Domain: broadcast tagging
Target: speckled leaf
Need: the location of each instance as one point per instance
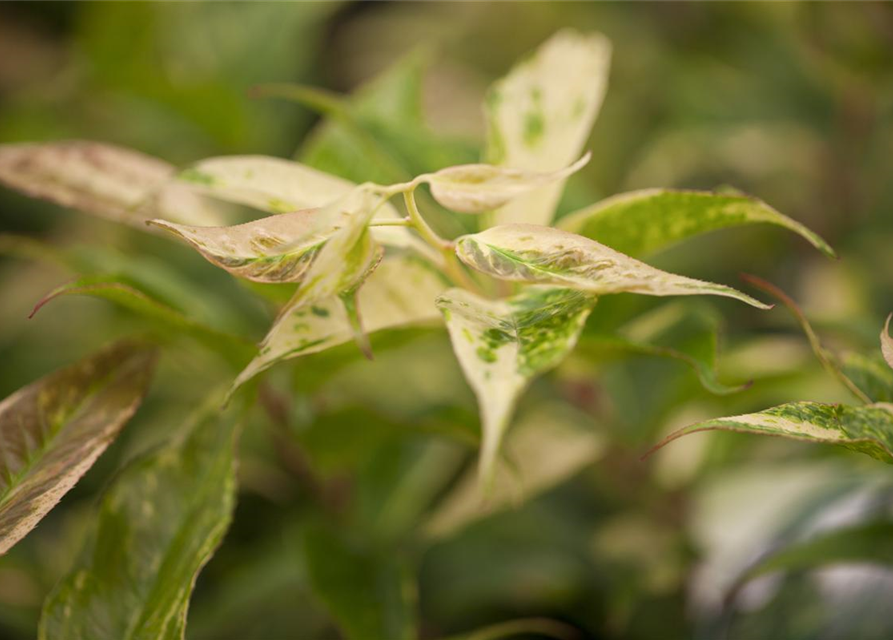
(103, 180)
(278, 248)
(643, 222)
(502, 344)
(887, 342)
(52, 431)
(158, 524)
(540, 115)
(478, 188)
(535, 254)
(399, 292)
(867, 429)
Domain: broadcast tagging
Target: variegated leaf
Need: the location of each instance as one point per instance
(478, 188)
(502, 344)
(401, 291)
(887, 342)
(540, 115)
(52, 431)
(103, 180)
(535, 254)
(278, 248)
(264, 183)
(643, 222)
(158, 525)
(867, 429)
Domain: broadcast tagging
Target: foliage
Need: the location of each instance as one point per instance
(419, 388)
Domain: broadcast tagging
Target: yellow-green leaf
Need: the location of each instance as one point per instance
(478, 188)
(540, 115)
(53, 430)
(101, 179)
(867, 429)
(158, 525)
(401, 291)
(502, 344)
(642, 222)
(534, 254)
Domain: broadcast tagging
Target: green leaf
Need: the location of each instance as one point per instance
(131, 297)
(100, 179)
(534, 254)
(866, 429)
(502, 344)
(643, 222)
(540, 115)
(477, 188)
(370, 595)
(523, 627)
(158, 525)
(870, 374)
(887, 342)
(53, 430)
(401, 291)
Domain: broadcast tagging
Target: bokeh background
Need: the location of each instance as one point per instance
(790, 102)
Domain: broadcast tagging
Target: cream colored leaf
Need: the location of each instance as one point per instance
(502, 344)
(540, 115)
(478, 188)
(52, 431)
(535, 254)
(400, 292)
(887, 342)
(101, 179)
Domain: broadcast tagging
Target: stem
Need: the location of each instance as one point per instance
(399, 222)
(427, 233)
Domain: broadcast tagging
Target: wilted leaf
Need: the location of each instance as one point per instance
(540, 115)
(502, 344)
(101, 179)
(887, 342)
(53, 430)
(643, 222)
(535, 254)
(130, 297)
(866, 429)
(478, 188)
(371, 596)
(158, 525)
(399, 292)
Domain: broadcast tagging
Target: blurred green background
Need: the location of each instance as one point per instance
(790, 102)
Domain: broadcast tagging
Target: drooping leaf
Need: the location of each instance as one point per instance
(478, 188)
(158, 525)
(370, 595)
(867, 429)
(502, 344)
(887, 342)
(131, 297)
(103, 180)
(53, 430)
(535, 254)
(401, 291)
(642, 222)
(540, 115)
(278, 248)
